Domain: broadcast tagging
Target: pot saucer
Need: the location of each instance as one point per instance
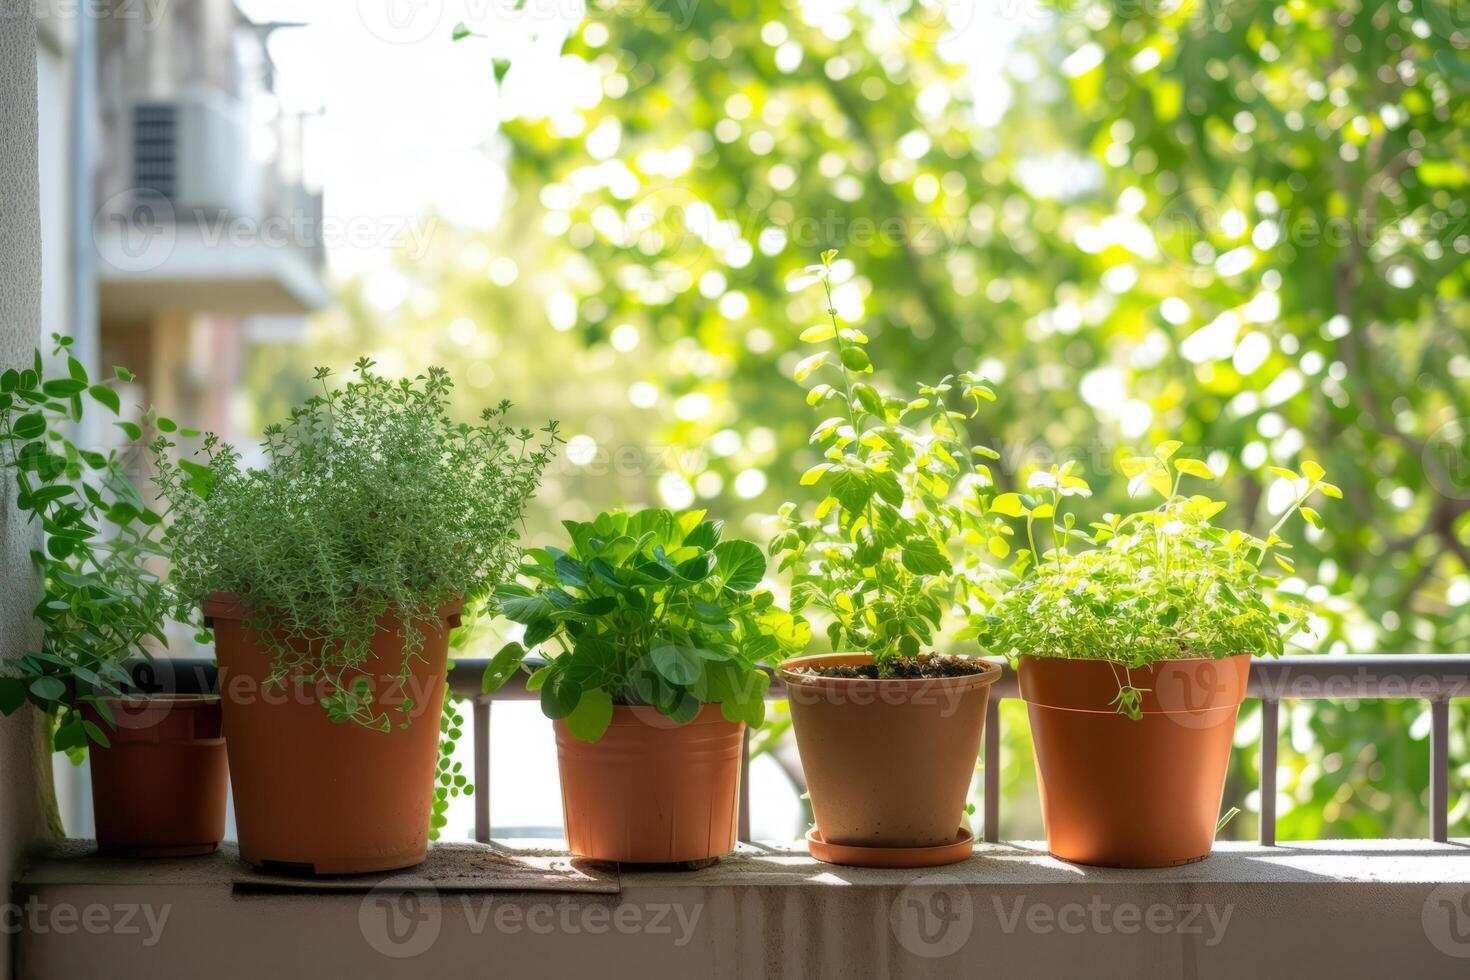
(858, 856)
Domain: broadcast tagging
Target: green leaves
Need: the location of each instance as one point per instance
(740, 564)
(1151, 585)
(1008, 504)
(646, 608)
(590, 718)
(900, 532)
(817, 334)
(676, 664)
(807, 365)
(101, 601)
(559, 695)
(502, 667)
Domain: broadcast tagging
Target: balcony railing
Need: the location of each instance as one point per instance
(1435, 678)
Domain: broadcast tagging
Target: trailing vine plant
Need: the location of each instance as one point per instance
(1157, 584)
(102, 599)
(898, 539)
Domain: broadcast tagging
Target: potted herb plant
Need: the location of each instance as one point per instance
(888, 730)
(1134, 652)
(655, 630)
(331, 577)
(157, 762)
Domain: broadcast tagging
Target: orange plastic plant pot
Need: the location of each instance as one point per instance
(888, 762)
(323, 797)
(650, 791)
(1124, 793)
(158, 787)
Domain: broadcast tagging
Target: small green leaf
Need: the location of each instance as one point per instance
(817, 334)
(29, 426)
(1193, 467)
(12, 694)
(48, 688)
(676, 664)
(807, 365)
(1312, 471)
(560, 695)
(856, 359)
(590, 718)
(1008, 504)
(502, 667)
(106, 396)
(740, 564)
(64, 387)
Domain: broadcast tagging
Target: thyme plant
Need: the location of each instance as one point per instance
(651, 608)
(1157, 584)
(101, 600)
(898, 537)
(372, 501)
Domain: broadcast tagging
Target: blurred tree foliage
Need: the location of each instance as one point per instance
(1241, 223)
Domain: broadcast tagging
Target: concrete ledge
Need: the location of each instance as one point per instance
(1340, 909)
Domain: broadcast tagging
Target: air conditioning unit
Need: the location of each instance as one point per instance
(194, 152)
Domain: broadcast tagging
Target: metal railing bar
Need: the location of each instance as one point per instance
(1439, 769)
(742, 830)
(1270, 739)
(992, 770)
(482, 769)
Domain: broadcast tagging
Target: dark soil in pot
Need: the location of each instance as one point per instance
(902, 669)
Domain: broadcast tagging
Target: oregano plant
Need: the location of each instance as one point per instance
(1160, 583)
(897, 539)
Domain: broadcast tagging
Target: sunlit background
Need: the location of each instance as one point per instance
(1241, 224)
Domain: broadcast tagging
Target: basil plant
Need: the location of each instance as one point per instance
(650, 608)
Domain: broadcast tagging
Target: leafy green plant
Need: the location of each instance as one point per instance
(651, 608)
(899, 536)
(372, 502)
(1157, 584)
(100, 602)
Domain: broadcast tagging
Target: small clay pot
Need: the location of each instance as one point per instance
(321, 797)
(650, 791)
(888, 762)
(1124, 793)
(158, 787)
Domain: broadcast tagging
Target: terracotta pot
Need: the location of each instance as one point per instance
(650, 791)
(321, 797)
(158, 789)
(1125, 793)
(888, 762)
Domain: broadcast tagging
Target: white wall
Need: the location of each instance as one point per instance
(27, 780)
(53, 78)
